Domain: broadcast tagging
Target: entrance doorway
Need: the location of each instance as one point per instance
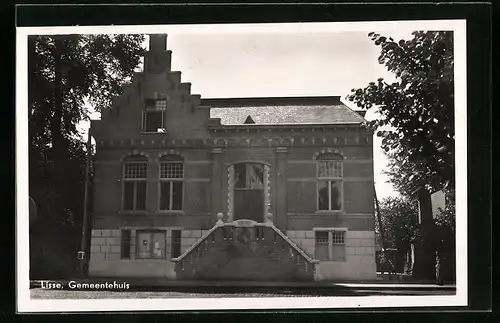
(249, 192)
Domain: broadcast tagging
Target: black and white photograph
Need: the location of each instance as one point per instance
(242, 166)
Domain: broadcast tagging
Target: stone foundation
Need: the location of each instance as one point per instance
(105, 255)
(359, 261)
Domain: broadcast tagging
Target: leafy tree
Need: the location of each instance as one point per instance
(419, 106)
(66, 74)
(399, 217)
(417, 121)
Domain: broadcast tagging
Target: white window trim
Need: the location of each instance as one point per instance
(151, 232)
(328, 179)
(171, 180)
(135, 180)
(330, 241)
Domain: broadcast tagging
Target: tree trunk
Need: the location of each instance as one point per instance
(382, 235)
(424, 248)
(59, 153)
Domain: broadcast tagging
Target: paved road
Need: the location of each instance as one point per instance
(38, 293)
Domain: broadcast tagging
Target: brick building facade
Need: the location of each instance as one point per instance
(236, 188)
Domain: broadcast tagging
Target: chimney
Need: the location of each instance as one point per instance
(158, 58)
(157, 42)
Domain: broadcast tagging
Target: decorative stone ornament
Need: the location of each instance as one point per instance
(220, 217)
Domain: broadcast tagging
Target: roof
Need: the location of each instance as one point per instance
(282, 110)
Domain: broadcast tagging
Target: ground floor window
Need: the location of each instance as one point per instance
(175, 243)
(151, 244)
(330, 245)
(125, 244)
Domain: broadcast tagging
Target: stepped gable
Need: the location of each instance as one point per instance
(154, 81)
(282, 111)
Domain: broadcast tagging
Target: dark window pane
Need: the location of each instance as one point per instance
(323, 195)
(240, 175)
(322, 237)
(177, 196)
(255, 176)
(150, 103)
(176, 243)
(141, 196)
(153, 121)
(335, 195)
(125, 245)
(128, 196)
(165, 196)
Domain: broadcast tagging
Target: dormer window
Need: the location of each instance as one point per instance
(153, 115)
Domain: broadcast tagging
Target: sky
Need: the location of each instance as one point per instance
(225, 64)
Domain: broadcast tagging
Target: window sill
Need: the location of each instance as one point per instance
(330, 212)
(132, 212)
(153, 133)
(169, 212)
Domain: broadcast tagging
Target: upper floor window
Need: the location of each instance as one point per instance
(171, 183)
(330, 188)
(135, 172)
(153, 115)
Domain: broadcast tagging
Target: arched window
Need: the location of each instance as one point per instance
(171, 183)
(330, 186)
(135, 173)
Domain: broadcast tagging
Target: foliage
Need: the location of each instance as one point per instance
(417, 123)
(399, 220)
(77, 68)
(66, 73)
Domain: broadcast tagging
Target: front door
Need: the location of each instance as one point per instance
(249, 192)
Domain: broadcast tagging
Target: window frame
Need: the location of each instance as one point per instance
(176, 160)
(134, 181)
(322, 159)
(172, 243)
(331, 243)
(153, 108)
(151, 232)
(124, 254)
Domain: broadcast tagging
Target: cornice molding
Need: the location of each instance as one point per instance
(247, 141)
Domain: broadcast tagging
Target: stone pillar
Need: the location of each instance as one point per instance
(152, 190)
(216, 182)
(280, 208)
(267, 192)
(230, 193)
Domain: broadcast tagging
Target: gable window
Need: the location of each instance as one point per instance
(330, 245)
(135, 172)
(153, 115)
(151, 244)
(330, 188)
(171, 183)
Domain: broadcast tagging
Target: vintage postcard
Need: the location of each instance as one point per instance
(245, 166)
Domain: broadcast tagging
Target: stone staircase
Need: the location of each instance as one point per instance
(245, 250)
